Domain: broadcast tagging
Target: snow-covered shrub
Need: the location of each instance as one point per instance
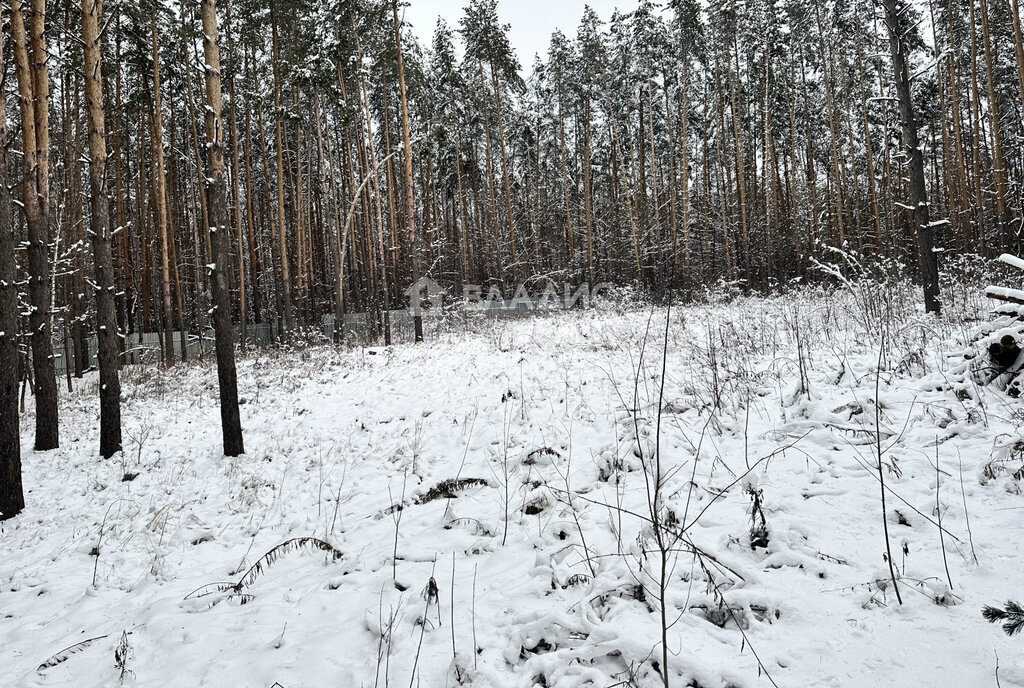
(880, 287)
(962, 278)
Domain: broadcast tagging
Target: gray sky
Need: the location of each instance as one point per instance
(532, 21)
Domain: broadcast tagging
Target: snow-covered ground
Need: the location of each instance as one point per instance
(541, 568)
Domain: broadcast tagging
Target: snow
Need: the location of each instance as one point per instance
(1005, 293)
(546, 413)
(1012, 260)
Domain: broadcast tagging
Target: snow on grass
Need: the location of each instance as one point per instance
(505, 465)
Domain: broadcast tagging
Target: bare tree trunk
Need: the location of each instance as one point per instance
(286, 281)
(243, 314)
(12, 496)
(220, 237)
(588, 191)
(410, 204)
(915, 164)
(1018, 43)
(998, 159)
(570, 250)
(106, 308)
(504, 172)
(160, 201)
(33, 91)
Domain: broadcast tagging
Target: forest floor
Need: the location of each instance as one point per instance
(540, 566)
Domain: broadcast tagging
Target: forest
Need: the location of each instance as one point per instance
(670, 148)
(780, 182)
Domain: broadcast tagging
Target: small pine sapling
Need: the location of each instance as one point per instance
(1012, 617)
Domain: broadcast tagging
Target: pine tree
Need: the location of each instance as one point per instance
(220, 235)
(106, 313)
(30, 61)
(899, 32)
(12, 497)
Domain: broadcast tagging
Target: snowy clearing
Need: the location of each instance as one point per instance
(544, 569)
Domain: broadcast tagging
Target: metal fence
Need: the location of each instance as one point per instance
(359, 327)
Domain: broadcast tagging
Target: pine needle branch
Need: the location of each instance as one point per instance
(1012, 616)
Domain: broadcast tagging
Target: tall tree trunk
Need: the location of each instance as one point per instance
(33, 92)
(243, 315)
(504, 171)
(915, 160)
(12, 496)
(869, 156)
(1018, 44)
(254, 262)
(286, 281)
(160, 201)
(588, 191)
(569, 248)
(977, 135)
(998, 159)
(220, 238)
(410, 204)
(740, 163)
(106, 308)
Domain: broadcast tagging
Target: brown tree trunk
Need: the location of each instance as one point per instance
(106, 308)
(925, 244)
(220, 239)
(1018, 44)
(160, 201)
(588, 192)
(998, 159)
(504, 171)
(570, 250)
(33, 91)
(12, 496)
(410, 206)
(286, 281)
(243, 315)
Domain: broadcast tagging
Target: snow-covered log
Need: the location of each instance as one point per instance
(1005, 294)
(1012, 260)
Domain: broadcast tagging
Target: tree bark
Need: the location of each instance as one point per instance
(410, 204)
(286, 282)
(12, 496)
(160, 202)
(106, 308)
(220, 238)
(915, 161)
(33, 92)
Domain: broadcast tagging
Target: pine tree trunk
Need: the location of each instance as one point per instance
(286, 282)
(33, 91)
(12, 497)
(977, 135)
(160, 202)
(203, 216)
(504, 172)
(869, 157)
(106, 308)
(1018, 44)
(220, 239)
(588, 191)
(410, 206)
(569, 248)
(998, 159)
(254, 262)
(243, 315)
(915, 164)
